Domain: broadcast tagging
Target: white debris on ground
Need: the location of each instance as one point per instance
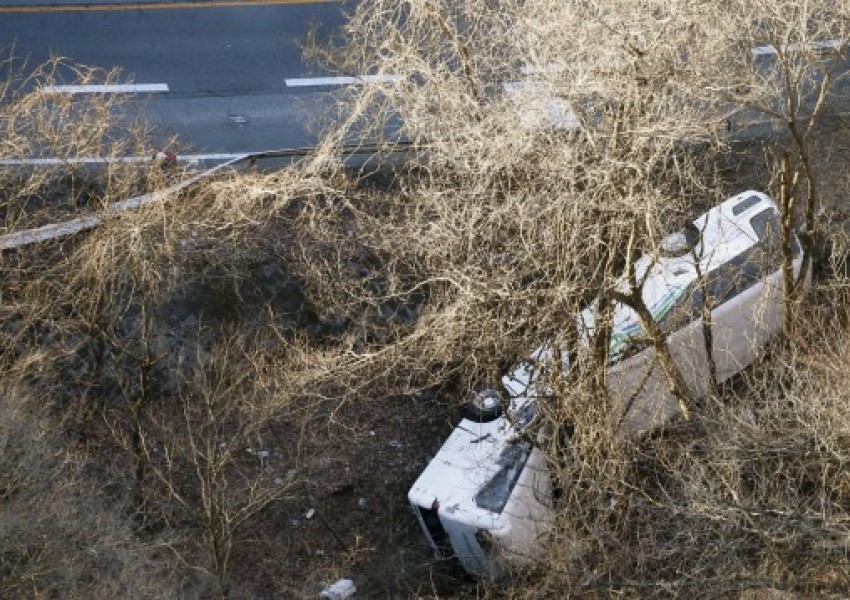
(342, 589)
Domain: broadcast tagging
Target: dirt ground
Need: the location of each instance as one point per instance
(348, 516)
(349, 467)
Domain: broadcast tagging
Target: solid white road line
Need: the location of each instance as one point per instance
(329, 81)
(127, 88)
(96, 160)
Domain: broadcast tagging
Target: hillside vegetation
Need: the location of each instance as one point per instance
(184, 385)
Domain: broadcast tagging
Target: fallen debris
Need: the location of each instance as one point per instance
(342, 589)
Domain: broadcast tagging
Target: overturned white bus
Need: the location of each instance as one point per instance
(486, 495)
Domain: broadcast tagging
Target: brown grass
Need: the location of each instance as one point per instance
(299, 312)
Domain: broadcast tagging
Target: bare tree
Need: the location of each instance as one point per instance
(799, 51)
(554, 143)
(521, 203)
(510, 220)
(209, 458)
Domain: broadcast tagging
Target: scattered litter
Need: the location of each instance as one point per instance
(395, 444)
(341, 590)
(320, 552)
(309, 514)
(361, 503)
(372, 433)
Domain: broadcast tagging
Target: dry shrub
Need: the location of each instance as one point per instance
(168, 344)
(62, 534)
(165, 345)
(40, 125)
(509, 222)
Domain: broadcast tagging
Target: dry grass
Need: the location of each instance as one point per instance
(298, 312)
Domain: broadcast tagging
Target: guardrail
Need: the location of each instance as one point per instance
(44, 233)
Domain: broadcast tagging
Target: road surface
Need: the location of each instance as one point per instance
(226, 75)
(223, 63)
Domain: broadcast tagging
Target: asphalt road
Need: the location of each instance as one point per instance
(225, 66)
(224, 62)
